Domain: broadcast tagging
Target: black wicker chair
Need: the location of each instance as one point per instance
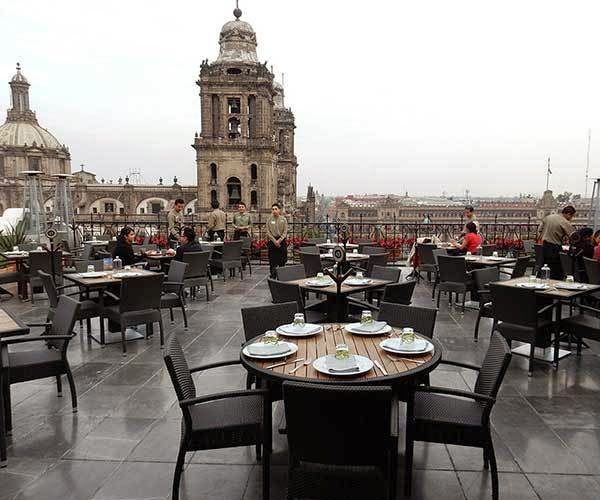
(216, 421)
(290, 292)
(531, 322)
(197, 272)
(291, 273)
(421, 319)
(487, 250)
(387, 273)
(376, 260)
(399, 293)
(246, 252)
(138, 303)
(335, 457)
(568, 264)
(48, 360)
(172, 291)
(583, 326)
(88, 308)
(427, 261)
(257, 320)
(483, 278)
(436, 254)
(311, 262)
(231, 259)
(520, 268)
(450, 416)
(454, 278)
(373, 250)
(539, 258)
(42, 261)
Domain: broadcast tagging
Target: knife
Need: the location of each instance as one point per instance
(380, 366)
(344, 370)
(284, 363)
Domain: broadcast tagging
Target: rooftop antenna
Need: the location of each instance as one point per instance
(587, 166)
(283, 79)
(548, 173)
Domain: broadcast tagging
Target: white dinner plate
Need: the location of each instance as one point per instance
(307, 332)
(364, 365)
(126, 274)
(570, 286)
(533, 286)
(357, 282)
(319, 283)
(351, 327)
(494, 258)
(428, 348)
(293, 349)
(93, 274)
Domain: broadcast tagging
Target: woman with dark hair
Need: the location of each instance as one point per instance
(124, 248)
(470, 243)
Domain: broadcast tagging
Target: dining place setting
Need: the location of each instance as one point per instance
(365, 349)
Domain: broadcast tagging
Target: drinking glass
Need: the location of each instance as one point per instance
(320, 276)
(90, 268)
(366, 317)
(15, 249)
(570, 279)
(468, 254)
(355, 250)
(494, 254)
(342, 351)
(408, 335)
(299, 320)
(271, 337)
(328, 241)
(359, 275)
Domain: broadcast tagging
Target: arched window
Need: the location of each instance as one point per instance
(213, 172)
(234, 191)
(234, 127)
(213, 196)
(253, 199)
(253, 172)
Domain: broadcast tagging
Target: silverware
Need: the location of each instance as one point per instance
(380, 366)
(306, 363)
(416, 361)
(284, 363)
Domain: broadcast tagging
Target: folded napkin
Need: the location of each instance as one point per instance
(397, 345)
(262, 349)
(332, 363)
(370, 327)
(296, 329)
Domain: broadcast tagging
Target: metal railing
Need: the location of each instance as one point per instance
(397, 237)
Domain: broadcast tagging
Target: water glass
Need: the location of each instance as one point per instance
(533, 278)
(408, 335)
(355, 250)
(342, 351)
(359, 275)
(299, 320)
(127, 268)
(570, 279)
(90, 268)
(15, 249)
(494, 254)
(271, 337)
(366, 318)
(468, 254)
(328, 241)
(320, 276)
(39, 249)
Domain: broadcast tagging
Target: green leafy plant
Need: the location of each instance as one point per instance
(13, 237)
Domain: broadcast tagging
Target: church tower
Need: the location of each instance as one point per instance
(238, 150)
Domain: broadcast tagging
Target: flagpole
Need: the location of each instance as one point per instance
(548, 172)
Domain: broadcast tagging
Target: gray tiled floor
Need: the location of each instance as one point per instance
(122, 444)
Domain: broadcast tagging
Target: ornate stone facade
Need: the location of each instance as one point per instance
(245, 150)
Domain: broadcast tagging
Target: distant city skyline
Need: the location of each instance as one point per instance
(424, 98)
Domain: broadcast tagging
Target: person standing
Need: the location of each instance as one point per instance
(277, 245)
(469, 214)
(554, 229)
(242, 222)
(175, 222)
(217, 220)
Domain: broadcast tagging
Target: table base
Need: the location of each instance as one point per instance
(115, 337)
(540, 353)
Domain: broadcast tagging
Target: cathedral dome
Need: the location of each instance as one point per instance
(237, 41)
(24, 133)
(19, 77)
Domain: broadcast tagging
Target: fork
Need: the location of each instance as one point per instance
(416, 361)
(306, 363)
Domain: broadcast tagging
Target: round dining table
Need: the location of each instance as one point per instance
(401, 372)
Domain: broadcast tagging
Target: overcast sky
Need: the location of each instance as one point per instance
(426, 96)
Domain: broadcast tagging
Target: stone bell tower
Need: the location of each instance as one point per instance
(237, 150)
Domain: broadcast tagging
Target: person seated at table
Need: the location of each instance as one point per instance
(470, 243)
(583, 245)
(187, 243)
(124, 247)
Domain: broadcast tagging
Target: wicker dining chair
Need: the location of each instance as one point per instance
(48, 360)
(454, 278)
(376, 260)
(138, 303)
(290, 292)
(230, 260)
(482, 279)
(399, 293)
(311, 262)
(42, 261)
(427, 263)
(568, 264)
(531, 322)
(387, 273)
(291, 273)
(520, 268)
(333, 457)
(373, 250)
(197, 272)
(221, 420)
(436, 281)
(257, 320)
(451, 416)
(421, 319)
(172, 291)
(88, 308)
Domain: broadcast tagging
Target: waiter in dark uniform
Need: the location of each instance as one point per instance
(276, 234)
(555, 229)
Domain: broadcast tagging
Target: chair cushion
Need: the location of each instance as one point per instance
(32, 358)
(447, 409)
(32, 365)
(170, 299)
